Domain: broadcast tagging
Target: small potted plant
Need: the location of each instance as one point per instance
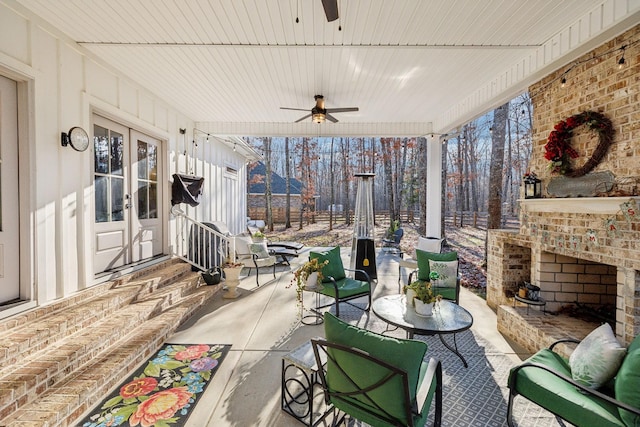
(258, 236)
(424, 297)
(231, 270)
(307, 276)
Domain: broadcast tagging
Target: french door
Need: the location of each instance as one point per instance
(128, 199)
(9, 194)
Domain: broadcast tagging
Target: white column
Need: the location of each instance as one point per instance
(434, 186)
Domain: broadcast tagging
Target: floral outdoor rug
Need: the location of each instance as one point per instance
(163, 391)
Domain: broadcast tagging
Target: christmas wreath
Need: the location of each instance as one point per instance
(558, 148)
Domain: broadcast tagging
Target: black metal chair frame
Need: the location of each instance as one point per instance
(411, 408)
(337, 300)
(395, 242)
(255, 265)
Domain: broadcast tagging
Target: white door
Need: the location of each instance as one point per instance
(110, 181)
(9, 202)
(146, 201)
(127, 202)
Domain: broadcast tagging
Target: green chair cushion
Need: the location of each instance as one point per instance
(423, 258)
(335, 268)
(560, 397)
(404, 354)
(447, 293)
(627, 381)
(347, 287)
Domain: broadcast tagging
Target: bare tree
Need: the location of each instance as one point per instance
(287, 162)
(496, 168)
(332, 197)
(267, 183)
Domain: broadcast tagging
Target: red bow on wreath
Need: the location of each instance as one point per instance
(558, 148)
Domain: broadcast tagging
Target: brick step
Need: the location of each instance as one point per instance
(65, 402)
(25, 318)
(42, 370)
(35, 330)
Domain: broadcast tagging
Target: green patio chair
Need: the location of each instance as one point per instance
(337, 285)
(382, 381)
(449, 289)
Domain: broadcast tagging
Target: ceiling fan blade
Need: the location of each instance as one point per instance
(302, 118)
(330, 9)
(295, 109)
(342, 110)
(331, 118)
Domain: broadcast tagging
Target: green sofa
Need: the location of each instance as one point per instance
(545, 379)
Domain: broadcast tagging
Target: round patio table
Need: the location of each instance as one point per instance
(448, 319)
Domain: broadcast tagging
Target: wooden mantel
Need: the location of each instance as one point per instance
(594, 205)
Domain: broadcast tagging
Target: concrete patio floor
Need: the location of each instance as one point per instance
(262, 326)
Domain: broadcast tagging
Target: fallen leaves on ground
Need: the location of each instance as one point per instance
(468, 241)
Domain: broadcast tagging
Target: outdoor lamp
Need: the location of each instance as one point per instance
(77, 138)
(532, 186)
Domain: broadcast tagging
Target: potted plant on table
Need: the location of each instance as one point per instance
(423, 297)
(307, 276)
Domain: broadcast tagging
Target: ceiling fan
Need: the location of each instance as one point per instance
(319, 114)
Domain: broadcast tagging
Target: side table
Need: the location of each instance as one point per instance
(314, 317)
(529, 302)
(299, 383)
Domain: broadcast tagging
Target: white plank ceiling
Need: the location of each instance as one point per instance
(411, 66)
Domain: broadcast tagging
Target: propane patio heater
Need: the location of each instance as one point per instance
(363, 255)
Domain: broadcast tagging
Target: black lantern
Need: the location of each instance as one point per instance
(532, 186)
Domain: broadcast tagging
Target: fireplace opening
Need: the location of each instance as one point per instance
(579, 287)
(605, 313)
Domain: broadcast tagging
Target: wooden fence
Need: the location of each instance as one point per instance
(458, 218)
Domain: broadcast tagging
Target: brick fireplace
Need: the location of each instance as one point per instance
(553, 249)
(583, 252)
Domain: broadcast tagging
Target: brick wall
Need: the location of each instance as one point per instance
(597, 85)
(574, 255)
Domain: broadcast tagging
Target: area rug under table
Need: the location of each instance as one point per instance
(162, 392)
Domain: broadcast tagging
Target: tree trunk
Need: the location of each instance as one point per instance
(388, 176)
(496, 168)
(267, 183)
(332, 197)
(287, 162)
(421, 179)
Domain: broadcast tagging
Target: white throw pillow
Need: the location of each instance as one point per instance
(447, 272)
(597, 358)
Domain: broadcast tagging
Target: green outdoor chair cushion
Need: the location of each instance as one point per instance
(627, 381)
(447, 293)
(335, 268)
(565, 399)
(423, 258)
(347, 287)
(404, 354)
